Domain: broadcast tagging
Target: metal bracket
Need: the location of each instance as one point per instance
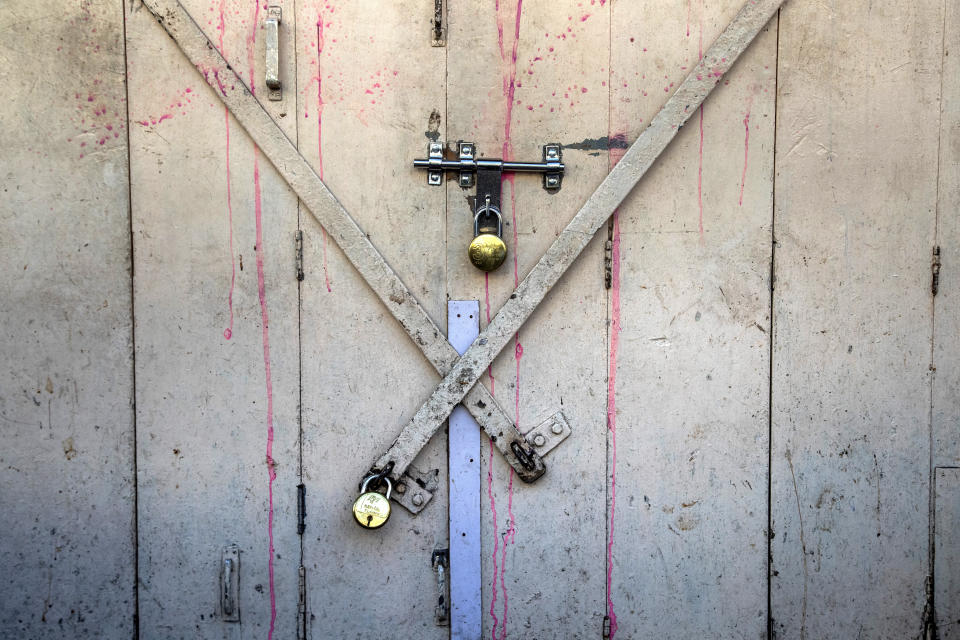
(230, 584)
(441, 564)
(415, 488)
(272, 27)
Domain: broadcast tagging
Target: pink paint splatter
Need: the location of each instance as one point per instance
(326, 272)
(746, 146)
(496, 541)
(615, 155)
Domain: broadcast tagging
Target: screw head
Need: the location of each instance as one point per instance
(401, 489)
(556, 429)
(417, 499)
(552, 182)
(539, 440)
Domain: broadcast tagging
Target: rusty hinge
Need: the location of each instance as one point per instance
(302, 604)
(935, 270)
(608, 257)
(437, 36)
(299, 249)
(606, 627)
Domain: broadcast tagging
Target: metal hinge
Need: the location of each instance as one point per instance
(935, 270)
(606, 627)
(438, 37)
(299, 249)
(301, 508)
(302, 604)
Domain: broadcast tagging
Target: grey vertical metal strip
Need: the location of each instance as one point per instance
(463, 322)
(567, 247)
(328, 211)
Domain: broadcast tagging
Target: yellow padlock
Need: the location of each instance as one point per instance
(372, 509)
(487, 251)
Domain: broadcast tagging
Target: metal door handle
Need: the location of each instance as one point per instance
(272, 27)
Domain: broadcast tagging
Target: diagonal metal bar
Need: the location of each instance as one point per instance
(324, 206)
(567, 247)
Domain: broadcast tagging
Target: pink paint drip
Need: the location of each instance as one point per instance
(228, 332)
(271, 470)
(496, 541)
(615, 156)
(746, 146)
(326, 272)
(509, 92)
(261, 292)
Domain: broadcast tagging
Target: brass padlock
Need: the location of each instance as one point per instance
(372, 509)
(487, 250)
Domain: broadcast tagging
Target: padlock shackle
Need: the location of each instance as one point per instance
(363, 487)
(491, 211)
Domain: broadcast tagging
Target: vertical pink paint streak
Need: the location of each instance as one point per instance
(228, 332)
(326, 273)
(261, 292)
(496, 541)
(509, 92)
(746, 146)
(615, 156)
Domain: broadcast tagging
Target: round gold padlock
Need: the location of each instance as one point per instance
(487, 251)
(372, 509)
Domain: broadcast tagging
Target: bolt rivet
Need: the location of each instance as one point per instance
(417, 500)
(539, 440)
(556, 429)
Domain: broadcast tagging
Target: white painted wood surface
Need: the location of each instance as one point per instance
(947, 552)
(361, 126)
(689, 336)
(856, 116)
(215, 295)
(867, 181)
(542, 543)
(66, 387)
(466, 619)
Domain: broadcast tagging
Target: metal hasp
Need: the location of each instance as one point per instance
(272, 26)
(487, 251)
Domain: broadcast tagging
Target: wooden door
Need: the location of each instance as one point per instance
(217, 359)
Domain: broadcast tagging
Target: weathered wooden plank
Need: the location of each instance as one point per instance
(854, 222)
(689, 336)
(511, 76)
(946, 336)
(368, 85)
(66, 388)
(947, 553)
(216, 317)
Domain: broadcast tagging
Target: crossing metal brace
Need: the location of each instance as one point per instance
(574, 238)
(388, 287)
